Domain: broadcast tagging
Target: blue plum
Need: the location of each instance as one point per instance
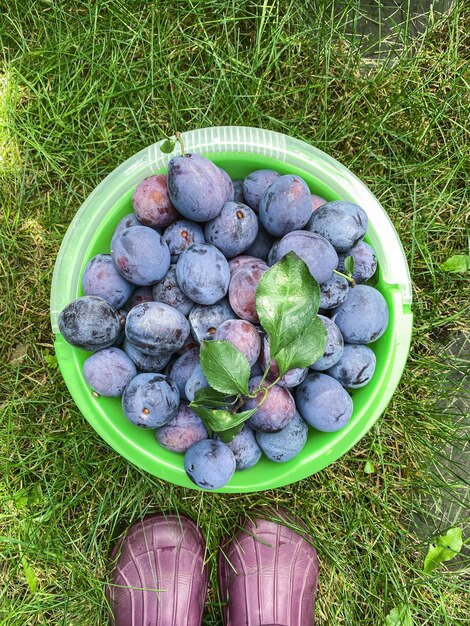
(365, 262)
(315, 250)
(138, 296)
(90, 323)
(243, 335)
(122, 333)
(182, 369)
(286, 205)
(244, 260)
(181, 431)
(196, 186)
(203, 273)
(209, 464)
(292, 378)
(140, 255)
(205, 320)
(152, 204)
(146, 362)
(189, 344)
(154, 327)
(196, 381)
(233, 230)
(245, 448)
(127, 221)
(102, 279)
(229, 186)
(286, 444)
(272, 256)
(109, 371)
(333, 292)
(355, 368)
(323, 402)
(334, 346)
(363, 316)
(254, 186)
(150, 400)
(169, 292)
(344, 224)
(275, 412)
(180, 235)
(242, 292)
(238, 191)
(317, 201)
(262, 245)
(256, 370)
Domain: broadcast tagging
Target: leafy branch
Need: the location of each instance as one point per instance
(169, 144)
(287, 301)
(348, 269)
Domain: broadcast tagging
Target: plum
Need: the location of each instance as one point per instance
(286, 205)
(242, 292)
(154, 327)
(180, 235)
(203, 273)
(363, 316)
(254, 186)
(205, 320)
(109, 371)
(168, 291)
(102, 279)
(315, 250)
(150, 400)
(355, 368)
(334, 346)
(274, 412)
(286, 444)
(323, 402)
(140, 255)
(196, 186)
(181, 431)
(152, 204)
(146, 362)
(365, 262)
(233, 230)
(182, 369)
(243, 335)
(209, 464)
(344, 224)
(90, 323)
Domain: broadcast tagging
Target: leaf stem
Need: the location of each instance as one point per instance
(180, 141)
(240, 401)
(348, 278)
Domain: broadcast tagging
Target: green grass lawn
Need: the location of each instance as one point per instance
(83, 86)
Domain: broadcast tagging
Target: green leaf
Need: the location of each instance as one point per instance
(349, 265)
(168, 146)
(227, 435)
(459, 263)
(305, 349)
(50, 359)
(29, 575)
(399, 616)
(444, 548)
(287, 300)
(219, 420)
(369, 468)
(226, 368)
(210, 398)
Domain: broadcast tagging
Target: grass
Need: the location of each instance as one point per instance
(85, 85)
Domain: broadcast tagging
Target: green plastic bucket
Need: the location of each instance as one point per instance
(239, 150)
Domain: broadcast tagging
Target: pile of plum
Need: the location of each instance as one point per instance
(184, 268)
